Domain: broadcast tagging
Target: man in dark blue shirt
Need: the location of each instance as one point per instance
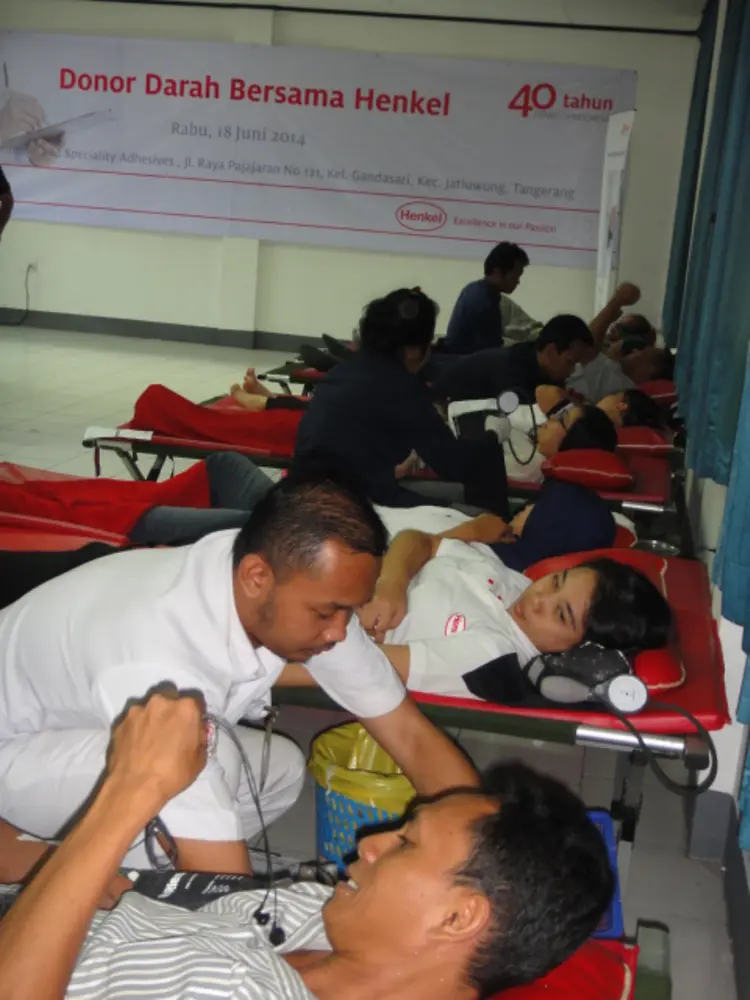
(370, 412)
(548, 360)
(475, 322)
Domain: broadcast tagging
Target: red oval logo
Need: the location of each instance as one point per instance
(455, 624)
(421, 216)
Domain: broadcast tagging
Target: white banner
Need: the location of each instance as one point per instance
(383, 152)
(619, 129)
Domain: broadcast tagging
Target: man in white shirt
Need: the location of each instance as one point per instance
(477, 891)
(222, 616)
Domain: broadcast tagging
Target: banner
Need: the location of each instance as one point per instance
(379, 152)
(619, 129)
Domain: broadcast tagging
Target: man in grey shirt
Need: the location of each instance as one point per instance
(477, 891)
(627, 363)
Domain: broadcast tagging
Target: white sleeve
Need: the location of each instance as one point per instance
(206, 810)
(432, 520)
(437, 666)
(358, 675)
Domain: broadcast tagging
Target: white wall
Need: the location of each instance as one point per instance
(243, 284)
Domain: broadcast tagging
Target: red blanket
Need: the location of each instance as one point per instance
(165, 412)
(106, 504)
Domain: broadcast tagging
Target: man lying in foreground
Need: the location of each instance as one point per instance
(479, 890)
(446, 606)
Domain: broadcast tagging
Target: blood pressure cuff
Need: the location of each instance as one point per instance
(548, 680)
(570, 677)
(567, 517)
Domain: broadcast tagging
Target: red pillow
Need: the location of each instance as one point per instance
(647, 440)
(659, 669)
(601, 470)
(661, 389)
(600, 970)
(653, 566)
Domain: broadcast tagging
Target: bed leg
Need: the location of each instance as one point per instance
(155, 471)
(653, 979)
(626, 807)
(130, 464)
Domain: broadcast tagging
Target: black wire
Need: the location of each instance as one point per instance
(157, 827)
(533, 434)
(27, 308)
(660, 774)
(255, 795)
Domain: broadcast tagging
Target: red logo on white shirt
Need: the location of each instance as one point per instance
(455, 624)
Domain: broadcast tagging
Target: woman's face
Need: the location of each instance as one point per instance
(550, 435)
(614, 406)
(552, 612)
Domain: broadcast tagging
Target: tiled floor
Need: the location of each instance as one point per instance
(53, 385)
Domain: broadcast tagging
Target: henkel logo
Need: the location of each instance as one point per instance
(456, 623)
(421, 216)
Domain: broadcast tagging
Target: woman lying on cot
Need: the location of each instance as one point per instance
(568, 427)
(445, 612)
(531, 440)
(627, 408)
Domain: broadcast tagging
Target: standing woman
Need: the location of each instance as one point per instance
(372, 411)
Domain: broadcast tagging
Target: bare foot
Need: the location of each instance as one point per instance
(247, 400)
(252, 384)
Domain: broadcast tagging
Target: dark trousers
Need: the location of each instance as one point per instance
(236, 485)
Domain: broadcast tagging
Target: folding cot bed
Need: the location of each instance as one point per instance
(610, 970)
(699, 689)
(166, 426)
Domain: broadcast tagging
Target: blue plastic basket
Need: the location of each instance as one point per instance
(612, 924)
(337, 820)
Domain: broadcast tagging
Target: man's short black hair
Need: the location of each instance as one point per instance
(543, 866)
(563, 332)
(302, 512)
(593, 429)
(404, 318)
(504, 257)
(627, 611)
(642, 410)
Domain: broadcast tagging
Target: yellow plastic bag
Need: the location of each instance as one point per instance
(347, 760)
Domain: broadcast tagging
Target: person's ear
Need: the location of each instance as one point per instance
(255, 576)
(466, 919)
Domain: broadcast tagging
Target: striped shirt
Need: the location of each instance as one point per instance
(152, 951)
